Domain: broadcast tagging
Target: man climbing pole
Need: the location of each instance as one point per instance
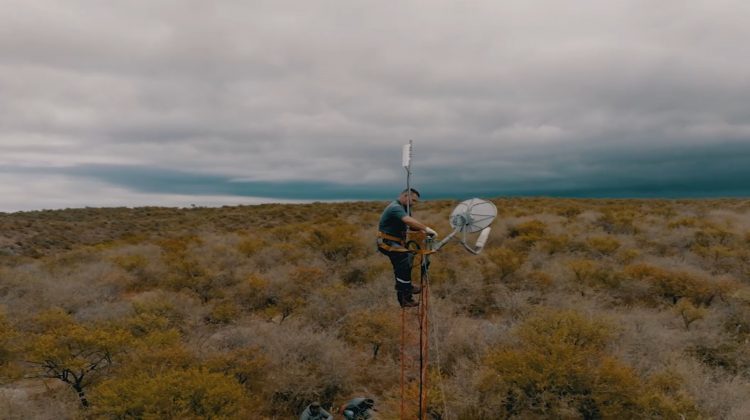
(358, 409)
(394, 222)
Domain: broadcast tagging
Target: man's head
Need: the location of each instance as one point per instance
(403, 198)
(315, 407)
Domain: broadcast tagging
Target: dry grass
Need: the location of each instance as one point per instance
(670, 278)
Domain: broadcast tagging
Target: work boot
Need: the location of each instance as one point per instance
(409, 304)
(405, 300)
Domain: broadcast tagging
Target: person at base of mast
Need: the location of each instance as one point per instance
(359, 409)
(394, 222)
(315, 412)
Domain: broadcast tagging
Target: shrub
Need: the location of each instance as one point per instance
(603, 245)
(689, 222)
(626, 256)
(569, 211)
(223, 312)
(663, 396)
(505, 262)
(528, 233)
(540, 280)
(720, 258)
(582, 269)
(376, 329)
(560, 370)
(555, 244)
(552, 328)
(712, 235)
(154, 314)
(8, 336)
(674, 285)
(340, 242)
(618, 220)
(731, 357)
(254, 293)
(248, 365)
(552, 369)
(248, 246)
(306, 279)
(689, 312)
(175, 393)
(74, 354)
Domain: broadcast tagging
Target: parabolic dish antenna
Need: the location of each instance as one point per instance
(473, 215)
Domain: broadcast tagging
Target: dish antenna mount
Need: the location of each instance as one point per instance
(471, 216)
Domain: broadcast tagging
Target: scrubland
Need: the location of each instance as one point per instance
(576, 309)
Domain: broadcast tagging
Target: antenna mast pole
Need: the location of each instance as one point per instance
(470, 216)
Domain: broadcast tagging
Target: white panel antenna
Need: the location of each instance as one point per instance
(406, 156)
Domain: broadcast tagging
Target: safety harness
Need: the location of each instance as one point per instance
(417, 237)
(382, 237)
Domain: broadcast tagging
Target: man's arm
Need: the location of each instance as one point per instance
(413, 223)
(417, 225)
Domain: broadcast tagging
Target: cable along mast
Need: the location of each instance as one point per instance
(468, 217)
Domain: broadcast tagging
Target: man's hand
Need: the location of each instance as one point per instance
(430, 231)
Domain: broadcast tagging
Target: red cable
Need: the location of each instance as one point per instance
(403, 343)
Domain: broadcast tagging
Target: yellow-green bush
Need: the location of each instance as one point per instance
(253, 293)
(592, 273)
(675, 285)
(503, 263)
(172, 394)
(528, 233)
(618, 220)
(374, 329)
(626, 256)
(540, 280)
(603, 245)
(560, 369)
(339, 242)
(663, 396)
(248, 365)
(555, 244)
(223, 312)
(78, 355)
(712, 235)
(250, 245)
(684, 222)
(689, 312)
(720, 258)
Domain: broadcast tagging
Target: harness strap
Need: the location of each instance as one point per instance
(382, 236)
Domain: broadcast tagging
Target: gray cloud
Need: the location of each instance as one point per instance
(313, 100)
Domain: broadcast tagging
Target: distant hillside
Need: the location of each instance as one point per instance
(576, 309)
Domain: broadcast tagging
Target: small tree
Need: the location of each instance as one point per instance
(374, 328)
(73, 353)
(689, 312)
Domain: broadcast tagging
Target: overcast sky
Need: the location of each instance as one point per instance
(130, 103)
